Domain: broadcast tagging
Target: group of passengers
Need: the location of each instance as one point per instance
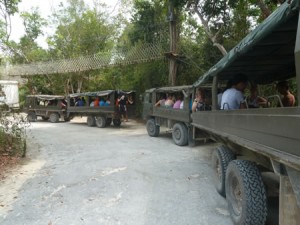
(233, 95)
(174, 101)
(95, 102)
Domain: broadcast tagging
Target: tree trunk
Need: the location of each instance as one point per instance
(212, 37)
(263, 7)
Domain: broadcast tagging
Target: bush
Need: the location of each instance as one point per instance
(12, 133)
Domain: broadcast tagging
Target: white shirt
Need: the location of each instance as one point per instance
(231, 99)
(181, 105)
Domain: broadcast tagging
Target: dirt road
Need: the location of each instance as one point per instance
(76, 174)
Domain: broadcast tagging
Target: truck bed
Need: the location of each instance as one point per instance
(273, 132)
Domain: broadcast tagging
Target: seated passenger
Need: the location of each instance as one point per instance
(107, 102)
(96, 102)
(233, 98)
(81, 102)
(162, 100)
(253, 100)
(92, 104)
(63, 104)
(169, 101)
(287, 99)
(102, 102)
(199, 103)
(178, 102)
(130, 100)
(220, 92)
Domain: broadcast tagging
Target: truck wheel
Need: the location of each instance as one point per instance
(245, 193)
(152, 128)
(91, 121)
(221, 157)
(54, 117)
(108, 121)
(117, 122)
(180, 134)
(31, 117)
(100, 121)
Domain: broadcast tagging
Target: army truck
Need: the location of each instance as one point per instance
(100, 115)
(48, 107)
(259, 156)
(177, 120)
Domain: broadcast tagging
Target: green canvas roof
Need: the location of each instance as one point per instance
(100, 93)
(266, 54)
(46, 97)
(92, 94)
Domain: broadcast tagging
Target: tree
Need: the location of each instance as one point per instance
(80, 31)
(218, 16)
(8, 8)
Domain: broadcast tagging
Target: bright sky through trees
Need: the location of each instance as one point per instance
(46, 7)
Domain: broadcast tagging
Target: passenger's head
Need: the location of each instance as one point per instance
(240, 82)
(282, 87)
(253, 89)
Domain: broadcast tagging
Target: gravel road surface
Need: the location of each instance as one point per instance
(75, 174)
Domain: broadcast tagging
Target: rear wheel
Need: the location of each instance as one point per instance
(100, 121)
(152, 128)
(117, 122)
(54, 117)
(245, 193)
(180, 134)
(221, 157)
(31, 117)
(91, 121)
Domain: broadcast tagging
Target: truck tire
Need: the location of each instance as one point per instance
(54, 117)
(221, 157)
(180, 134)
(117, 122)
(31, 117)
(152, 128)
(91, 121)
(245, 193)
(108, 121)
(100, 121)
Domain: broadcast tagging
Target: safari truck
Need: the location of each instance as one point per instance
(177, 120)
(100, 115)
(259, 155)
(48, 107)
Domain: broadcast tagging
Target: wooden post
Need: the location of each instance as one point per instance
(173, 45)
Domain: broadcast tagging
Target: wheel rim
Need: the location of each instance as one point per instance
(177, 134)
(151, 128)
(236, 194)
(100, 121)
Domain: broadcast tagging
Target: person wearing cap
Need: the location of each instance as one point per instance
(233, 98)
